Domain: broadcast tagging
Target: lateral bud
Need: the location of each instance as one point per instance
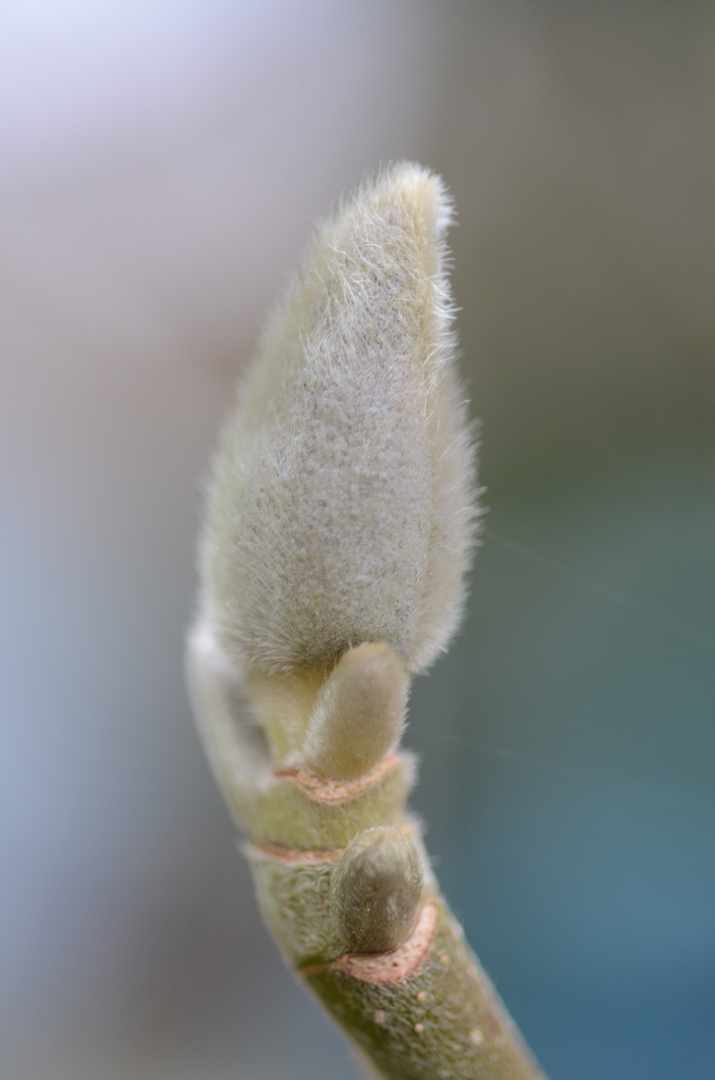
(376, 890)
(359, 715)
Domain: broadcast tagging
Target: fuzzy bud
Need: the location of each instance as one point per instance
(359, 715)
(340, 508)
(376, 890)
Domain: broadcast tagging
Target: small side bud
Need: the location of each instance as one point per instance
(376, 890)
(360, 713)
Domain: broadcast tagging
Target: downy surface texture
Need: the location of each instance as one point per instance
(340, 508)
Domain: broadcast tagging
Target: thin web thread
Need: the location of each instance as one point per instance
(653, 788)
(616, 595)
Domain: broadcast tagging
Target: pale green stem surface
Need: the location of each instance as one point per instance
(425, 1009)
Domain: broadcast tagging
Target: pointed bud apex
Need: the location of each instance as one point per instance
(376, 890)
(360, 713)
(341, 503)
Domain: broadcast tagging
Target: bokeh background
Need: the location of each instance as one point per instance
(160, 168)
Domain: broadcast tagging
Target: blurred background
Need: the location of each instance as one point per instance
(161, 165)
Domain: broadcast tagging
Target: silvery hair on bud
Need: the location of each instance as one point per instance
(341, 503)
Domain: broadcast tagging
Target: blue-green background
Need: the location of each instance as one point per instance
(160, 167)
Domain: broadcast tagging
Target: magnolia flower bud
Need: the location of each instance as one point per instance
(340, 507)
